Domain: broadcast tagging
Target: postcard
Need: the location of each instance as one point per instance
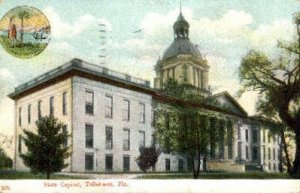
(149, 96)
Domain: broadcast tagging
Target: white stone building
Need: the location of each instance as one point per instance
(109, 114)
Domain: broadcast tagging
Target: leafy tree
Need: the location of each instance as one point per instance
(147, 158)
(46, 151)
(184, 128)
(278, 84)
(5, 161)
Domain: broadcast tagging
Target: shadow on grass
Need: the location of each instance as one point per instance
(211, 175)
(11, 175)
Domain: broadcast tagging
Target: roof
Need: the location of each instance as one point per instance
(232, 100)
(73, 67)
(181, 22)
(77, 67)
(181, 46)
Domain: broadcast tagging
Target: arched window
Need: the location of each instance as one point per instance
(185, 73)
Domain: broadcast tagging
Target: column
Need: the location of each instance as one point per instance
(221, 139)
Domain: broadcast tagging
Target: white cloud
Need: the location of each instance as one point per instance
(248, 102)
(265, 37)
(233, 25)
(62, 29)
(7, 82)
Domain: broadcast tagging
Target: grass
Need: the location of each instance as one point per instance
(211, 175)
(26, 51)
(6, 174)
(12, 175)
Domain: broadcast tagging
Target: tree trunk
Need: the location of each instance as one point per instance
(22, 31)
(48, 175)
(196, 166)
(287, 157)
(204, 164)
(296, 165)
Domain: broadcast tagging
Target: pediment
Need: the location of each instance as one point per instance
(227, 101)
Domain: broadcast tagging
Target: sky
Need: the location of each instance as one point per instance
(224, 30)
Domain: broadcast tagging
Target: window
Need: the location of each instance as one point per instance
(20, 144)
(167, 164)
(89, 136)
(274, 139)
(142, 113)
(51, 107)
(185, 73)
(89, 102)
(108, 163)
(89, 162)
(109, 137)
(20, 117)
(39, 110)
(230, 151)
(239, 132)
(141, 138)
(264, 136)
(126, 139)
(255, 136)
(126, 163)
(108, 106)
(64, 104)
(254, 153)
(239, 150)
(274, 157)
(153, 140)
(29, 114)
(126, 110)
(65, 133)
(247, 152)
(180, 165)
(247, 137)
(269, 137)
(274, 167)
(270, 167)
(269, 153)
(152, 117)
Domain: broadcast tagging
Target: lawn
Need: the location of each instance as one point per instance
(11, 175)
(160, 176)
(211, 175)
(25, 51)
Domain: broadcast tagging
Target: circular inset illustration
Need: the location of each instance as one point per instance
(24, 32)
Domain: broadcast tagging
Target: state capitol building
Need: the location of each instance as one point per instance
(109, 115)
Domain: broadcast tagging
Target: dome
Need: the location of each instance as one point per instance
(181, 46)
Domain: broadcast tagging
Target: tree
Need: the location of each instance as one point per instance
(147, 158)
(46, 150)
(185, 129)
(5, 161)
(22, 15)
(278, 84)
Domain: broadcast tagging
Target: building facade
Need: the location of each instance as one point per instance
(109, 115)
